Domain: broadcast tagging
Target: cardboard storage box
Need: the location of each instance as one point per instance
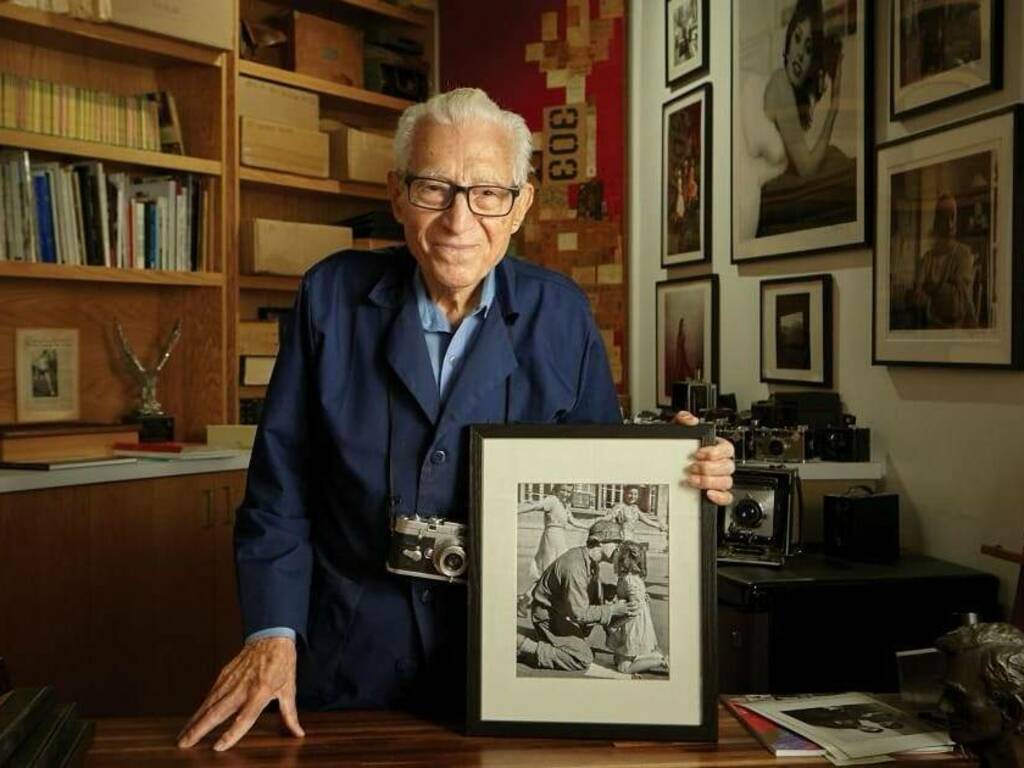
(259, 337)
(201, 21)
(274, 103)
(326, 49)
(290, 248)
(284, 148)
(361, 155)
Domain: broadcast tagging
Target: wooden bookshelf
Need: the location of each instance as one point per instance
(99, 40)
(357, 97)
(389, 11)
(268, 282)
(311, 184)
(109, 274)
(58, 145)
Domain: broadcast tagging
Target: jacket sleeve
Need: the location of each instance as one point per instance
(273, 554)
(596, 400)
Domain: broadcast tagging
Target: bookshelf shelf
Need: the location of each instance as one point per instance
(246, 392)
(41, 142)
(356, 96)
(310, 184)
(268, 283)
(393, 12)
(18, 269)
(107, 41)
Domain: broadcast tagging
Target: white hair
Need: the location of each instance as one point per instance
(458, 107)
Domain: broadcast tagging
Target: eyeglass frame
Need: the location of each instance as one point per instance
(409, 178)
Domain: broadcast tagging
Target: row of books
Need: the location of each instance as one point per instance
(77, 213)
(63, 110)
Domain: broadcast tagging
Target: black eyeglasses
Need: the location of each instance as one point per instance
(439, 195)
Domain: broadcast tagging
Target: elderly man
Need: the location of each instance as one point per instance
(389, 357)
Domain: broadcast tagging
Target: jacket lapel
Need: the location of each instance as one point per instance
(407, 356)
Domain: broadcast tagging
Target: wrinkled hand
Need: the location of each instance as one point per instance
(713, 465)
(263, 671)
(631, 608)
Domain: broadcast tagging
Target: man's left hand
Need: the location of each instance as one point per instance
(712, 466)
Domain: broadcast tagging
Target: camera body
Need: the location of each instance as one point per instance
(844, 443)
(428, 547)
(758, 526)
(781, 444)
(741, 437)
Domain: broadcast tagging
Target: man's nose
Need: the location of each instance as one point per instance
(458, 217)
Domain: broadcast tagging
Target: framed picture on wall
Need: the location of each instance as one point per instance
(46, 374)
(686, 315)
(686, 178)
(686, 38)
(569, 524)
(801, 126)
(943, 51)
(948, 265)
(796, 330)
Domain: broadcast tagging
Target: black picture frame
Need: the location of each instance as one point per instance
(808, 356)
(674, 180)
(759, 159)
(951, 322)
(946, 94)
(706, 287)
(503, 702)
(690, 72)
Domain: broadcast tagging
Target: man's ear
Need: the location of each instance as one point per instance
(395, 196)
(522, 206)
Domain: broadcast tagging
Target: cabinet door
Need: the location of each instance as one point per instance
(230, 488)
(44, 595)
(152, 582)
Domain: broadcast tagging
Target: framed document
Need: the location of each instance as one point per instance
(46, 363)
(592, 583)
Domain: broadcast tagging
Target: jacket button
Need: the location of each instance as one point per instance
(438, 457)
(426, 596)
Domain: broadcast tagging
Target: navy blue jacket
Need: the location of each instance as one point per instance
(352, 392)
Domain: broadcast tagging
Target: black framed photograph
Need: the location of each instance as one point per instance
(686, 40)
(947, 270)
(592, 583)
(796, 330)
(686, 317)
(942, 52)
(801, 126)
(686, 178)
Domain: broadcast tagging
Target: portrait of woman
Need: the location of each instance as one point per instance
(685, 212)
(799, 130)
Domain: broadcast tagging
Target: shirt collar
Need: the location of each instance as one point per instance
(431, 316)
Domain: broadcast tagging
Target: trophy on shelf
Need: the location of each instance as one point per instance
(154, 424)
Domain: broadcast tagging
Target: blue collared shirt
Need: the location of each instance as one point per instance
(446, 349)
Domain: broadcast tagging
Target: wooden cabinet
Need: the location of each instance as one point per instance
(121, 595)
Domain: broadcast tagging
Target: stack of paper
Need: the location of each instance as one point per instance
(853, 728)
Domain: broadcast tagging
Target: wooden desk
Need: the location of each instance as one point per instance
(396, 739)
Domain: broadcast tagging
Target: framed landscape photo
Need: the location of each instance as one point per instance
(943, 51)
(686, 40)
(686, 316)
(592, 583)
(46, 378)
(796, 330)
(801, 126)
(686, 178)
(947, 270)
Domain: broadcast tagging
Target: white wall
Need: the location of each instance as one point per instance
(952, 441)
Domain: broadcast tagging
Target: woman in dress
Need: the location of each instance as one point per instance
(557, 515)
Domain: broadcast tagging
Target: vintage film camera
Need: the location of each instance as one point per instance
(694, 396)
(428, 547)
(782, 444)
(762, 525)
(741, 437)
(847, 443)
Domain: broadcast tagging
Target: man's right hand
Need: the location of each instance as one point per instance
(264, 670)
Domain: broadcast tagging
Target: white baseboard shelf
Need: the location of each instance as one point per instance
(829, 470)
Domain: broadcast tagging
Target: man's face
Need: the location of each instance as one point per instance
(945, 218)
(457, 248)
(608, 550)
(973, 717)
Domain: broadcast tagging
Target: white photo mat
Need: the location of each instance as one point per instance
(770, 368)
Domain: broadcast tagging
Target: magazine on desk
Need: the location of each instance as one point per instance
(853, 728)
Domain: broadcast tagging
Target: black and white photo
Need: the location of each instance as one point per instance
(686, 39)
(591, 582)
(796, 330)
(946, 268)
(46, 364)
(686, 178)
(801, 126)
(943, 51)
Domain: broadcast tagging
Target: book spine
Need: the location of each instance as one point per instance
(44, 217)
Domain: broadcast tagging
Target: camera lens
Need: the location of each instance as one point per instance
(776, 447)
(450, 559)
(748, 513)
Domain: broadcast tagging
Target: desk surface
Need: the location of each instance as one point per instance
(395, 739)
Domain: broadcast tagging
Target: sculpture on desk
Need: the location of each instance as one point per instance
(983, 694)
(153, 423)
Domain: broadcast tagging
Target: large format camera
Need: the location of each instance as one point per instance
(763, 520)
(428, 547)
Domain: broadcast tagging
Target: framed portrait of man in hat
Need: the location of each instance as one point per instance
(591, 583)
